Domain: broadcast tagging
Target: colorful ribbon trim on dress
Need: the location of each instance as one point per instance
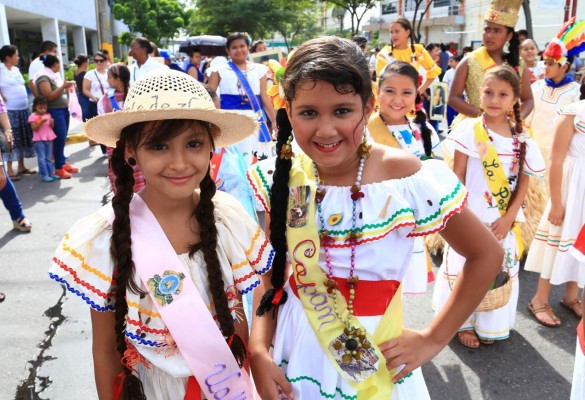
(495, 176)
(182, 309)
(303, 244)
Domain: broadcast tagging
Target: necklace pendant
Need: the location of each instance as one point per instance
(357, 195)
(354, 354)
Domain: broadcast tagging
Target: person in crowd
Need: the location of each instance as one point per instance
(194, 66)
(444, 55)
(557, 92)
(404, 49)
(82, 63)
(494, 157)
(95, 85)
(258, 46)
(522, 35)
(393, 127)
(337, 207)
(107, 56)
(13, 91)
(166, 55)
(362, 42)
(562, 219)
(435, 52)
(51, 86)
(47, 48)
(448, 79)
(177, 241)
(42, 125)
(372, 63)
(140, 50)
(8, 193)
(155, 52)
(242, 87)
(529, 53)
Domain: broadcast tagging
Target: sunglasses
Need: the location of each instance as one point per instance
(98, 60)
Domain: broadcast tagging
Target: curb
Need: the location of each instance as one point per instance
(76, 138)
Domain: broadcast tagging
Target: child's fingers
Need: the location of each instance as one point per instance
(401, 373)
(285, 385)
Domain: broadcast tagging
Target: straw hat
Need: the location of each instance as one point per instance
(168, 94)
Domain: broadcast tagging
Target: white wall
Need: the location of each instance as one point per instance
(78, 12)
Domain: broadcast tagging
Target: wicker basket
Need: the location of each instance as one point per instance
(494, 298)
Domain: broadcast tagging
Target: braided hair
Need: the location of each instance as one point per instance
(508, 75)
(135, 136)
(342, 64)
(420, 118)
(405, 23)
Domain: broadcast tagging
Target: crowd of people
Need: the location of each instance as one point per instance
(233, 209)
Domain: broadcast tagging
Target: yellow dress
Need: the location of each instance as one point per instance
(422, 59)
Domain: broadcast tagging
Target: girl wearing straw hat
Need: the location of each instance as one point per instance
(163, 270)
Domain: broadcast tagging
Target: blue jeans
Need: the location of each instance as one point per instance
(44, 152)
(61, 120)
(10, 199)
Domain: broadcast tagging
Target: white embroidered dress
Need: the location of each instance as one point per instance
(392, 213)
(490, 325)
(82, 263)
(549, 250)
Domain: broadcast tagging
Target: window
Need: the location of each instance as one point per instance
(390, 7)
(410, 5)
(441, 3)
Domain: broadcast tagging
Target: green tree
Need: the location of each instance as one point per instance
(154, 19)
(356, 8)
(295, 21)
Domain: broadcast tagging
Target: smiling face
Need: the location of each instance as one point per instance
(495, 36)
(174, 167)
(328, 125)
(399, 35)
(528, 51)
(397, 95)
(238, 51)
(497, 97)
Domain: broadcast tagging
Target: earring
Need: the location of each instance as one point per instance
(131, 161)
(286, 149)
(364, 148)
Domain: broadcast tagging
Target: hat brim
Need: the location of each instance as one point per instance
(233, 127)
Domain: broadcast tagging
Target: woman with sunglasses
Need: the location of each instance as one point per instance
(95, 85)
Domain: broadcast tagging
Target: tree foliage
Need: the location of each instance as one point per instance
(356, 8)
(294, 20)
(154, 19)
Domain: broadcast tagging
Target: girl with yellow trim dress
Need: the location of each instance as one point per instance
(344, 213)
(494, 158)
(415, 54)
(393, 127)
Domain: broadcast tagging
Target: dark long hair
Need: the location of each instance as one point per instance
(512, 57)
(420, 118)
(120, 71)
(136, 135)
(341, 63)
(508, 75)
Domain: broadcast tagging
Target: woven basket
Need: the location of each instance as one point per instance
(494, 298)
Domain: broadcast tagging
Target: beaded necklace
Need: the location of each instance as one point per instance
(356, 338)
(517, 140)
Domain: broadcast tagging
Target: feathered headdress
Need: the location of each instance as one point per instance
(570, 41)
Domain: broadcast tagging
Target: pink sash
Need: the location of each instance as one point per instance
(183, 310)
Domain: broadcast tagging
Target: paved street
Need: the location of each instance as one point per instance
(46, 336)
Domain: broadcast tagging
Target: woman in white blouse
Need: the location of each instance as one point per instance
(95, 85)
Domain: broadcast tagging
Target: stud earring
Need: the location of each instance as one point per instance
(131, 161)
(286, 149)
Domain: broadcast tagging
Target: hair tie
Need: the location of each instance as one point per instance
(420, 80)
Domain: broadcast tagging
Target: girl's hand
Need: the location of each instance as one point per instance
(556, 215)
(269, 379)
(501, 227)
(411, 350)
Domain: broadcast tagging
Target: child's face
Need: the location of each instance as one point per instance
(238, 50)
(397, 95)
(495, 36)
(399, 34)
(497, 97)
(41, 109)
(553, 70)
(113, 82)
(328, 125)
(528, 50)
(196, 58)
(174, 168)
(453, 63)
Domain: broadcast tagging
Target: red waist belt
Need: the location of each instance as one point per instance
(371, 297)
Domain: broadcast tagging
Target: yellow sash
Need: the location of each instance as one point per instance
(380, 133)
(495, 176)
(303, 244)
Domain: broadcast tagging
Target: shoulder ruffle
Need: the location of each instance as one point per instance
(260, 177)
(435, 194)
(247, 248)
(577, 108)
(82, 262)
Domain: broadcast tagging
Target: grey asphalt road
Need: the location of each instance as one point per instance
(45, 336)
